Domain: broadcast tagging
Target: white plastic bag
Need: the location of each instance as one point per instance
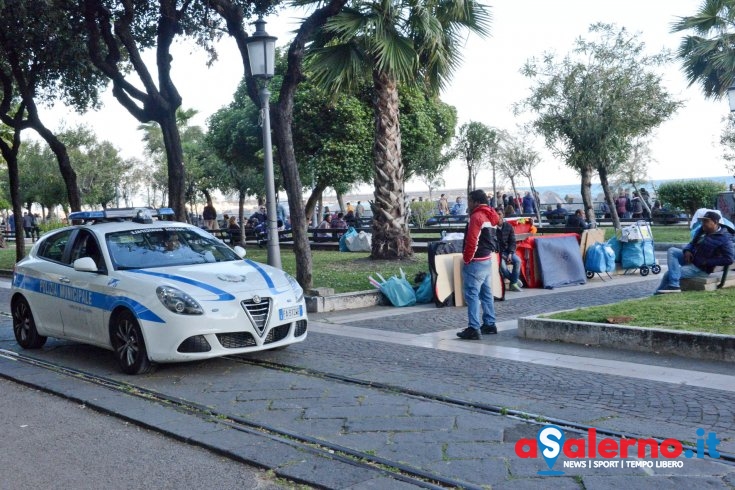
(362, 242)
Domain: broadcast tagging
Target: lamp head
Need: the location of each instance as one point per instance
(261, 51)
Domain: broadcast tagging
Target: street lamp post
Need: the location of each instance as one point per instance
(262, 53)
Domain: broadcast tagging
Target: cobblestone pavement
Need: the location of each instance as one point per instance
(515, 305)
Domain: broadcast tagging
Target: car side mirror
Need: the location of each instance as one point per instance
(85, 264)
(240, 251)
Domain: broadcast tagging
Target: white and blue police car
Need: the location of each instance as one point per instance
(152, 291)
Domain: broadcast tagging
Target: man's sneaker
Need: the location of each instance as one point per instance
(668, 290)
(469, 333)
(489, 329)
(516, 286)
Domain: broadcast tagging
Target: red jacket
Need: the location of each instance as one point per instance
(479, 235)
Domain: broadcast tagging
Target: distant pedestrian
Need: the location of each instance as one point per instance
(529, 204)
(621, 205)
(209, 214)
(443, 205)
(636, 206)
(27, 224)
(35, 229)
(479, 244)
(281, 211)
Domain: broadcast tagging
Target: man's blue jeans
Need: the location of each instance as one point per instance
(678, 269)
(514, 272)
(478, 293)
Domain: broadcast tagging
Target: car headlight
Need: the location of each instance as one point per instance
(297, 291)
(178, 301)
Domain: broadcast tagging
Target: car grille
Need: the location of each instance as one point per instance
(277, 333)
(258, 313)
(300, 328)
(196, 343)
(236, 340)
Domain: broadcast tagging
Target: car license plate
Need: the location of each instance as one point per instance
(292, 312)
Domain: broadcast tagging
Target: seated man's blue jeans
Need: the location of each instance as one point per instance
(511, 275)
(678, 269)
(478, 293)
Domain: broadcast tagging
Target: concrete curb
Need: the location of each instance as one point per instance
(693, 345)
(344, 301)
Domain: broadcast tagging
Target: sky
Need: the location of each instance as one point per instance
(484, 88)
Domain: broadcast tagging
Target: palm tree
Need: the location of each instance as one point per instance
(390, 42)
(708, 54)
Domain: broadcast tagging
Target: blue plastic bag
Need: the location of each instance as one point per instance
(636, 254)
(600, 258)
(617, 247)
(399, 291)
(424, 294)
(343, 239)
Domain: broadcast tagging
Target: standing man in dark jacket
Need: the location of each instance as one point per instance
(710, 247)
(479, 244)
(508, 257)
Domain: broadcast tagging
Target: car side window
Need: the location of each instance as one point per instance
(86, 245)
(53, 246)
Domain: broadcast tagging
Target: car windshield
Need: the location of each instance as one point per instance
(162, 247)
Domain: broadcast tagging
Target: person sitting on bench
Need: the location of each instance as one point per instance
(577, 221)
(710, 247)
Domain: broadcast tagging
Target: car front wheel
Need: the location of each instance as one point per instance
(128, 344)
(24, 327)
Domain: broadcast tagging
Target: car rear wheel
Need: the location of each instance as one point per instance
(24, 327)
(128, 344)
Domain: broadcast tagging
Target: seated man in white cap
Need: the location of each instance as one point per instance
(711, 246)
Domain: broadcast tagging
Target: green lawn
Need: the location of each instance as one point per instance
(700, 311)
(346, 271)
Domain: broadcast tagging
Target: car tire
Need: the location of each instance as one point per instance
(24, 326)
(128, 344)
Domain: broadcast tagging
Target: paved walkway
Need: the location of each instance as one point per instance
(416, 348)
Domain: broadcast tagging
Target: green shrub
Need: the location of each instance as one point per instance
(421, 211)
(689, 195)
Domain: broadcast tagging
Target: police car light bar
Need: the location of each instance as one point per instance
(120, 214)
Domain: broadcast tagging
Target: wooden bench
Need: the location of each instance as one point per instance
(709, 283)
(557, 229)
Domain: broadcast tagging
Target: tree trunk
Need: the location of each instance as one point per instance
(604, 181)
(534, 193)
(241, 216)
(469, 179)
(314, 202)
(495, 190)
(10, 155)
(391, 239)
(175, 160)
(586, 188)
(292, 182)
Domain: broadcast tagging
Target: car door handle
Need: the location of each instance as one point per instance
(65, 280)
